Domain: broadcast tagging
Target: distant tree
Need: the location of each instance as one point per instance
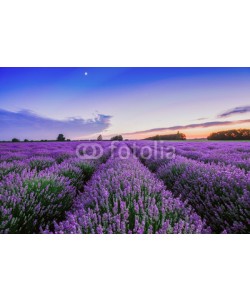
(15, 140)
(168, 137)
(26, 140)
(180, 136)
(68, 140)
(99, 138)
(234, 134)
(60, 137)
(117, 138)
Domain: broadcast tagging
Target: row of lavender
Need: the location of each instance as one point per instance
(218, 189)
(123, 196)
(228, 153)
(59, 151)
(39, 183)
(237, 154)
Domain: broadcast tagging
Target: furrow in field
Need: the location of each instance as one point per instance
(123, 196)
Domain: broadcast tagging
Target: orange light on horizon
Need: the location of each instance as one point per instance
(194, 133)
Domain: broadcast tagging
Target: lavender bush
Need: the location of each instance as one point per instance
(220, 194)
(30, 201)
(40, 163)
(9, 167)
(77, 171)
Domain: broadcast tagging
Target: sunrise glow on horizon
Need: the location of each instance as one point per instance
(39, 103)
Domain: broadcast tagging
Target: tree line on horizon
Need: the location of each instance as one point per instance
(61, 138)
(114, 138)
(233, 134)
(168, 137)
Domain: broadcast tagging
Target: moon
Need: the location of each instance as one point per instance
(86, 73)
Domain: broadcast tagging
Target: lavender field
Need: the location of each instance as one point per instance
(125, 187)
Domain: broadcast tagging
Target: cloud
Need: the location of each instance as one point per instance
(26, 124)
(191, 126)
(234, 111)
(201, 119)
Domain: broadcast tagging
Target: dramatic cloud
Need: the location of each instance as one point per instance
(191, 126)
(26, 124)
(234, 111)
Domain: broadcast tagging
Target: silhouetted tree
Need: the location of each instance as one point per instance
(26, 140)
(99, 138)
(60, 137)
(117, 138)
(15, 140)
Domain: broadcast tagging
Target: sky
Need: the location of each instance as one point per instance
(81, 103)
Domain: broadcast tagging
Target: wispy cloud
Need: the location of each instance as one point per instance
(201, 119)
(235, 111)
(190, 126)
(26, 124)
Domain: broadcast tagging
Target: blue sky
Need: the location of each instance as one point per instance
(39, 103)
